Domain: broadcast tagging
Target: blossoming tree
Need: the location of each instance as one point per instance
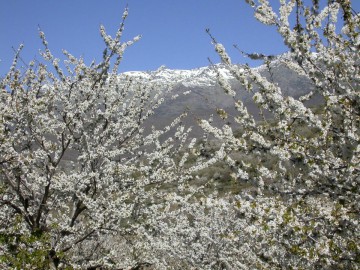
(77, 160)
(84, 183)
(305, 160)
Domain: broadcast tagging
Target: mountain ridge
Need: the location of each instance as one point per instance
(198, 91)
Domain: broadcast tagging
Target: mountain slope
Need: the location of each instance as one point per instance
(198, 91)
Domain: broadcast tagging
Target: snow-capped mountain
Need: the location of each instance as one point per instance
(199, 77)
(197, 90)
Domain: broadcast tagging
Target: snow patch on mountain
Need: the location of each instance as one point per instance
(206, 78)
(198, 77)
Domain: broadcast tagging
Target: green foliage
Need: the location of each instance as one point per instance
(26, 251)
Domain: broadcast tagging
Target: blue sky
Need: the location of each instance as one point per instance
(173, 31)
